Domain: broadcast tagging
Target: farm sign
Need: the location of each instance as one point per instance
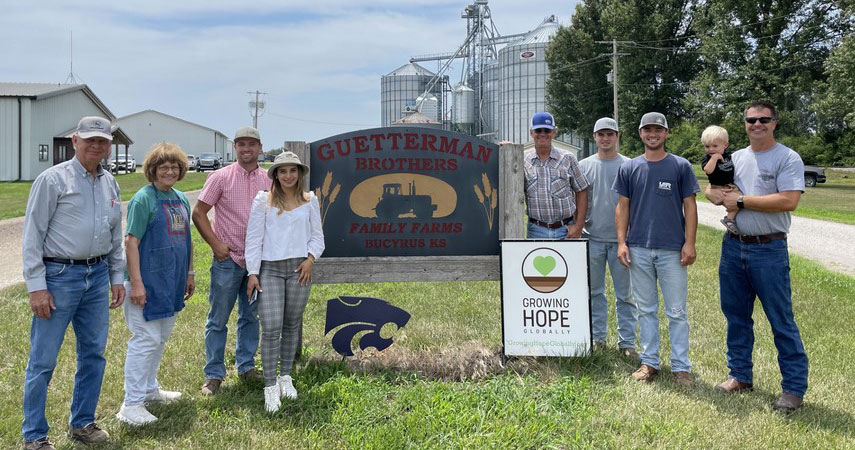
(406, 191)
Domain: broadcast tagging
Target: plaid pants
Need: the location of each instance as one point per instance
(280, 311)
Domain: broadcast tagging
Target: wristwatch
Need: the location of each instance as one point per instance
(740, 203)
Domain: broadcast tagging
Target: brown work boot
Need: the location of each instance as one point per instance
(90, 434)
(684, 379)
(251, 375)
(645, 373)
(630, 353)
(211, 386)
(39, 444)
(732, 385)
(787, 403)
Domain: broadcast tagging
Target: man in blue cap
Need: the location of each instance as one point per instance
(555, 189)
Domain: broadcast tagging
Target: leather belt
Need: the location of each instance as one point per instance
(761, 239)
(76, 262)
(552, 225)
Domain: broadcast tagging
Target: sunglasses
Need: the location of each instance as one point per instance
(753, 120)
(542, 130)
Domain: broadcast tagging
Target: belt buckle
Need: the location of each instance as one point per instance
(93, 260)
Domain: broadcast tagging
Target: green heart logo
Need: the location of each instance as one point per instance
(544, 264)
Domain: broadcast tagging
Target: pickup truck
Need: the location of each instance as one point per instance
(121, 163)
(814, 175)
(208, 161)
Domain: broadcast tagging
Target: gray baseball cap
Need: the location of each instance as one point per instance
(653, 118)
(606, 123)
(94, 126)
(249, 132)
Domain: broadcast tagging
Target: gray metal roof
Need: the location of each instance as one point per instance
(44, 90)
(173, 117)
(36, 89)
(410, 69)
(542, 34)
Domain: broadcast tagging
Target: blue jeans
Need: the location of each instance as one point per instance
(535, 231)
(649, 265)
(599, 253)
(747, 271)
(81, 296)
(228, 283)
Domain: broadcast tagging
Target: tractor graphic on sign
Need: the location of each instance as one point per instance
(393, 203)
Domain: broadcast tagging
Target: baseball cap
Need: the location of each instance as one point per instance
(606, 123)
(542, 120)
(94, 126)
(249, 132)
(653, 118)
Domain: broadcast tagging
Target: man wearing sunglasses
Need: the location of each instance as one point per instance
(556, 193)
(756, 262)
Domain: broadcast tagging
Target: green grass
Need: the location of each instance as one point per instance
(833, 200)
(13, 195)
(441, 384)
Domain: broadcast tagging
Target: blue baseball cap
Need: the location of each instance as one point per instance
(542, 120)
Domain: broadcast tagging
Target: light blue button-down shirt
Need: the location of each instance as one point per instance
(72, 215)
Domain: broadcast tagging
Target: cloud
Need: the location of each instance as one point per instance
(317, 60)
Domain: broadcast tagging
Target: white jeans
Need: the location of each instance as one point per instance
(145, 348)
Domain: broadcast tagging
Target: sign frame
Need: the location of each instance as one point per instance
(516, 275)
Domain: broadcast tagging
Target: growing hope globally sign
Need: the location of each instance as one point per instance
(545, 298)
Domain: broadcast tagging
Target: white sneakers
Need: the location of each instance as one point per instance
(135, 415)
(161, 396)
(286, 387)
(271, 398)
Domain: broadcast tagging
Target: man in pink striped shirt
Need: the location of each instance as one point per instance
(230, 192)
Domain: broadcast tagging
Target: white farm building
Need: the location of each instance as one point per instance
(150, 127)
(36, 124)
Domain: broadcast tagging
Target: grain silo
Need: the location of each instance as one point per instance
(400, 89)
(522, 81)
(489, 102)
(463, 112)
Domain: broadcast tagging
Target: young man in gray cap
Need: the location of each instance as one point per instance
(72, 248)
(230, 192)
(556, 193)
(601, 170)
(657, 219)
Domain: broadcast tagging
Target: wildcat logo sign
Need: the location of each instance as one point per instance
(350, 316)
(407, 191)
(545, 298)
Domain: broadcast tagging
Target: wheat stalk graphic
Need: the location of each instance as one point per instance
(488, 198)
(325, 196)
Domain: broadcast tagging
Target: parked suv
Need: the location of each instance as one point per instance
(191, 162)
(814, 175)
(123, 163)
(208, 161)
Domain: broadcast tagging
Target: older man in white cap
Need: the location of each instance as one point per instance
(601, 170)
(72, 249)
(230, 192)
(657, 219)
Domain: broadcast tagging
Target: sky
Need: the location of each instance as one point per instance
(319, 62)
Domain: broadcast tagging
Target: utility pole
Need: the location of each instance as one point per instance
(256, 106)
(613, 76)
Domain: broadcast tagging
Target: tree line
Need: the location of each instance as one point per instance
(701, 62)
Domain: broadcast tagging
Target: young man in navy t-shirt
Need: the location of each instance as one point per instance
(657, 219)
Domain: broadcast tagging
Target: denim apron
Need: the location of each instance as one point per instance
(164, 258)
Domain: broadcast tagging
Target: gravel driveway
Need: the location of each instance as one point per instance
(11, 270)
(828, 243)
